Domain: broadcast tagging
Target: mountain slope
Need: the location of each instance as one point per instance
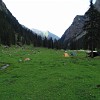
(75, 29)
(11, 31)
(74, 34)
(3, 7)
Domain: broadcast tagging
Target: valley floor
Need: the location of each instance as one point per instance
(45, 74)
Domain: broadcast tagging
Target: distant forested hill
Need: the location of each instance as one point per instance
(13, 33)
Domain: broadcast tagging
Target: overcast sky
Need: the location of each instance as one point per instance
(52, 15)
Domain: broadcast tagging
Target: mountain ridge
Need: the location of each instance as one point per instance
(45, 34)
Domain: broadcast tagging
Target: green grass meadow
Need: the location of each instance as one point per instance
(48, 75)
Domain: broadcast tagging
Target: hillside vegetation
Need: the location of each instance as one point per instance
(45, 74)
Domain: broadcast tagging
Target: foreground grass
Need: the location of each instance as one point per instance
(48, 75)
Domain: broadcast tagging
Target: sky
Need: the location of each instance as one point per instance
(47, 15)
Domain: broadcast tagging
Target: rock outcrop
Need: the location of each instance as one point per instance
(75, 29)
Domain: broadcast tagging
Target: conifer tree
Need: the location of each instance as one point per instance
(91, 27)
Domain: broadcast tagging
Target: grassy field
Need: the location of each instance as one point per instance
(48, 75)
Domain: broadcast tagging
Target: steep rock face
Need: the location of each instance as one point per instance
(75, 31)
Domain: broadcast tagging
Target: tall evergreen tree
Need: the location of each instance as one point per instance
(91, 27)
(50, 43)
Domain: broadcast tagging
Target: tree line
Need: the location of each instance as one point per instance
(13, 33)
